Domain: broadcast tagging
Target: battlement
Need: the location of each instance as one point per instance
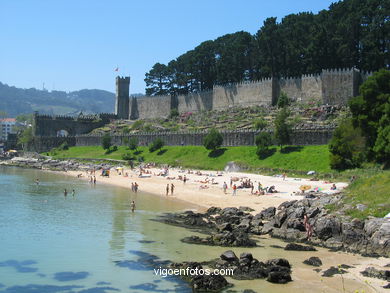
(123, 79)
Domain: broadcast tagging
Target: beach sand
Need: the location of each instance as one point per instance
(205, 195)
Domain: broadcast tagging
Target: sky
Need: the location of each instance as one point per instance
(76, 44)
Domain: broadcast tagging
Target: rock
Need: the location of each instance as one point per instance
(209, 283)
(327, 227)
(278, 262)
(333, 271)
(286, 204)
(213, 210)
(361, 207)
(313, 261)
(266, 214)
(380, 240)
(247, 256)
(246, 209)
(244, 225)
(225, 227)
(280, 218)
(387, 286)
(279, 275)
(248, 291)
(229, 256)
(298, 247)
(373, 225)
(375, 273)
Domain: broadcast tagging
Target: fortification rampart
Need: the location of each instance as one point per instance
(307, 136)
(334, 86)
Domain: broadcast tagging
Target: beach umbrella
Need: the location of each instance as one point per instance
(305, 187)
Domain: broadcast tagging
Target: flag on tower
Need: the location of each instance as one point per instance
(116, 69)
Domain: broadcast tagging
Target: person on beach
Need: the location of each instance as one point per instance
(132, 205)
(184, 179)
(94, 179)
(167, 190)
(172, 188)
(333, 187)
(224, 187)
(65, 192)
(73, 192)
(284, 176)
(234, 190)
(308, 227)
(135, 187)
(252, 187)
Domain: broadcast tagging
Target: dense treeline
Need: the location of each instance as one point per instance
(351, 33)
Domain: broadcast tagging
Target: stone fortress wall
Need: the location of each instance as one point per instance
(330, 87)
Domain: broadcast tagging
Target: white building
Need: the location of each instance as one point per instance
(7, 125)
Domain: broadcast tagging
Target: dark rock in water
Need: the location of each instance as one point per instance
(225, 238)
(387, 286)
(229, 255)
(375, 273)
(209, 283)
(247, 256)
(333, 271)
(280, 218)
(313, 261)
(248, 291)
(279, 275)
(278, 262)
(317, 270)
(298, 247)
(344, 266)
(201, 282)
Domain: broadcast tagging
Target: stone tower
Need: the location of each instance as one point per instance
(122, 97)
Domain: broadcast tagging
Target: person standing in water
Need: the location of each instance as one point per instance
(94, 179)
(132, 205)
(37, 181)
(172, 188)
(135, 187)
(65, 192)
(73, 192)
(167, 190)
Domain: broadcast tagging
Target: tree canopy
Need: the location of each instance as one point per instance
(351, 33)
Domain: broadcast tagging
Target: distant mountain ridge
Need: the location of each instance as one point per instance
(15, 101)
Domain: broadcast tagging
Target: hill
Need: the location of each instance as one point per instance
(15, 101)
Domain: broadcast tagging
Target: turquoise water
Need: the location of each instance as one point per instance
(87, 243)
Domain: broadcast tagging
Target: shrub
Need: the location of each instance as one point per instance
(128, 157)
(174, 114)
(133, 143)
(260, 124)
(106, 141)
(283, 100)
(213, 140)
(157, 144)
(263, 142)
(282, 128)
(346, 147)
(64, 146)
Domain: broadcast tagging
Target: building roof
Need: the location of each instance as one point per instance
(8, 120)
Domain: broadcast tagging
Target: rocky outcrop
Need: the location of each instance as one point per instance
(298, 247)
(375, 273)
(235, 238)
(313, 261)
(246, 267)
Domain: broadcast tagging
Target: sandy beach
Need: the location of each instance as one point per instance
(205, 188)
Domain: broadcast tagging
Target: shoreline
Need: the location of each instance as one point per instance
(205, 195)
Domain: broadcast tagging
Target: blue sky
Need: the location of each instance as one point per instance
(76, 44)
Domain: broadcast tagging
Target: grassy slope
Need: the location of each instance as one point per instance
(297, 159)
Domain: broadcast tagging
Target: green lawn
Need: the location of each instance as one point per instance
(295, 159)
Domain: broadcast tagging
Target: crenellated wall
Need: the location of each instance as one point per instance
(317, 136)
(334, 86)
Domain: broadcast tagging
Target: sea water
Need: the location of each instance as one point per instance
(93, 243)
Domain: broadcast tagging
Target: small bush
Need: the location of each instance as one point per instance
(263, 142)
(64, 146)
(260, 124)
(174, 114)
(106, 141)
(157, 144)
(283, 100)
(133, 143)
(128, 157)
(213, 140)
